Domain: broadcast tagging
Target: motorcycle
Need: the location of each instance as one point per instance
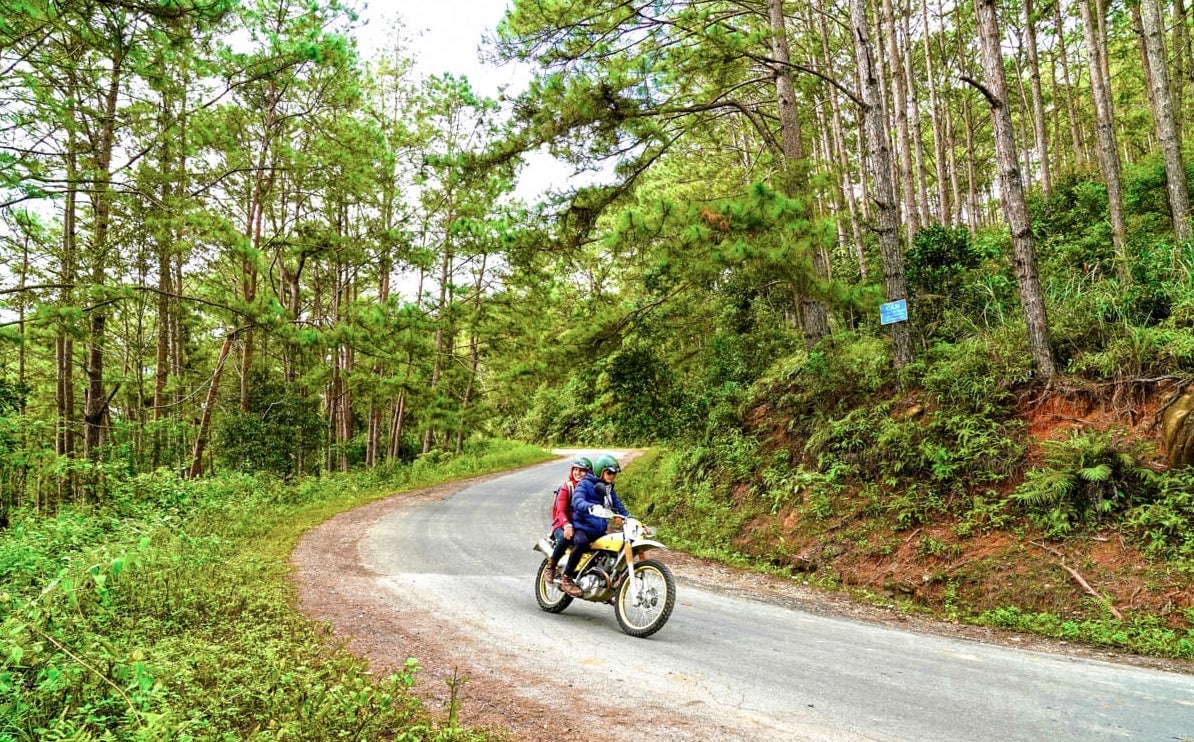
(616, 570)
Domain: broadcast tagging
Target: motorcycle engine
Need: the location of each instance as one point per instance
(596, 578)
(589, 583)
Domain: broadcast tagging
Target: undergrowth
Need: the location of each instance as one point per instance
(168, 615)
(852, 457)
(714, 519)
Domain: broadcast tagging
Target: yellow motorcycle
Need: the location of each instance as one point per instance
(616, 570)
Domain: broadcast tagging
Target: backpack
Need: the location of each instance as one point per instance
(555, 495)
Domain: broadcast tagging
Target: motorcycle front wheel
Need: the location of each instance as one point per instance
(645, 603)
(549, 595)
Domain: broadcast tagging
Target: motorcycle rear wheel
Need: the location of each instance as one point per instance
(548, 594)
(645, 603)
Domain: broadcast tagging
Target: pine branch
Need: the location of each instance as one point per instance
(995, 102)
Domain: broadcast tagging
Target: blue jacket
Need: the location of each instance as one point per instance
(592, 491)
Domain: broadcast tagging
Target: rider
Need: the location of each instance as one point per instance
(561, 514)
(596, 489)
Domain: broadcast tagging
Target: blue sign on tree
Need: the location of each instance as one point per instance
(893, 311)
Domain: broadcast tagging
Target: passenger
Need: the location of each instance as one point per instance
(561, 515)
(595, 490)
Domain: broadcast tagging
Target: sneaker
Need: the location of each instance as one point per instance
(549, 574)
(570, 587)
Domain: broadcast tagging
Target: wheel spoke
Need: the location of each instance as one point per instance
(645, 598)
(548, 594)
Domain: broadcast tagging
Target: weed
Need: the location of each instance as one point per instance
(935, 547)
(950, 602)
(1143, 634)
(1165, 525)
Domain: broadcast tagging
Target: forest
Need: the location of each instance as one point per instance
(248, 271)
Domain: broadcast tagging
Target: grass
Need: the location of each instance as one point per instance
(169, 614)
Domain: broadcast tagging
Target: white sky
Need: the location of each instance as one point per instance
(444, 37)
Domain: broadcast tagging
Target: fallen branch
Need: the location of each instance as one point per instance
(1049, 549)
(1086, 586)
(1079, 579)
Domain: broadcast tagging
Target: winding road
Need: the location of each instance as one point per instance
(729, 667)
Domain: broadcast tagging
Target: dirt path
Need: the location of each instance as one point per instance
(334, 587)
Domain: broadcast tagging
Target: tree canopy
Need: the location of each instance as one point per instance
(230, 240)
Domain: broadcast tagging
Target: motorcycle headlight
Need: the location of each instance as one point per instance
(634, 530)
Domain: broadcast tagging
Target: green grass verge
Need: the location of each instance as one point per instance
(168, 614)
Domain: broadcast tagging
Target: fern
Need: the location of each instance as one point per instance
(1165, 524)
(1084, 478)
(1098, 473)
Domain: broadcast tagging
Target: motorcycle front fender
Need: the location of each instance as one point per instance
(647, 545)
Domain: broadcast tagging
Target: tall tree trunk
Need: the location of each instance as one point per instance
(919, 174)
(474, 353)
(814, 314)
(11, 497)
(864, 177)
(1180, 61)
(345, 427)
(22, 304)
(1096, 44)
(1077, 140)
(1022, 121)
(842, 154)
(261, 184)
(874, 133)
(95, 403)
(1012, 192)
(951, 131)
(64, 345)
(161, 368)
(442, 338)
(373, 443)
(1166, 122)
(396, 422)
(1038, 99)
(209, 405)
(1146, 63)
(172, 161)
(338, 398)
(899, 107)
(974, 216)
(935, 114)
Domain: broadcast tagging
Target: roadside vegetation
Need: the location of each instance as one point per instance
(250, 278)
(960, 486)
(168, 613)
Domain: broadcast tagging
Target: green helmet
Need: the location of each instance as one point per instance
(582, 462)
(604, 463)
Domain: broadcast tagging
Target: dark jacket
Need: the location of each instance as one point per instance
(592, 491)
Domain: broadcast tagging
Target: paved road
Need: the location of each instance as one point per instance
(747, 668)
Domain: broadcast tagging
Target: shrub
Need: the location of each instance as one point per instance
(972, 376)
(178, 621)
(937, 256)
(1165, 525)
(842, 371)
(1084, 479)
(280, 431)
